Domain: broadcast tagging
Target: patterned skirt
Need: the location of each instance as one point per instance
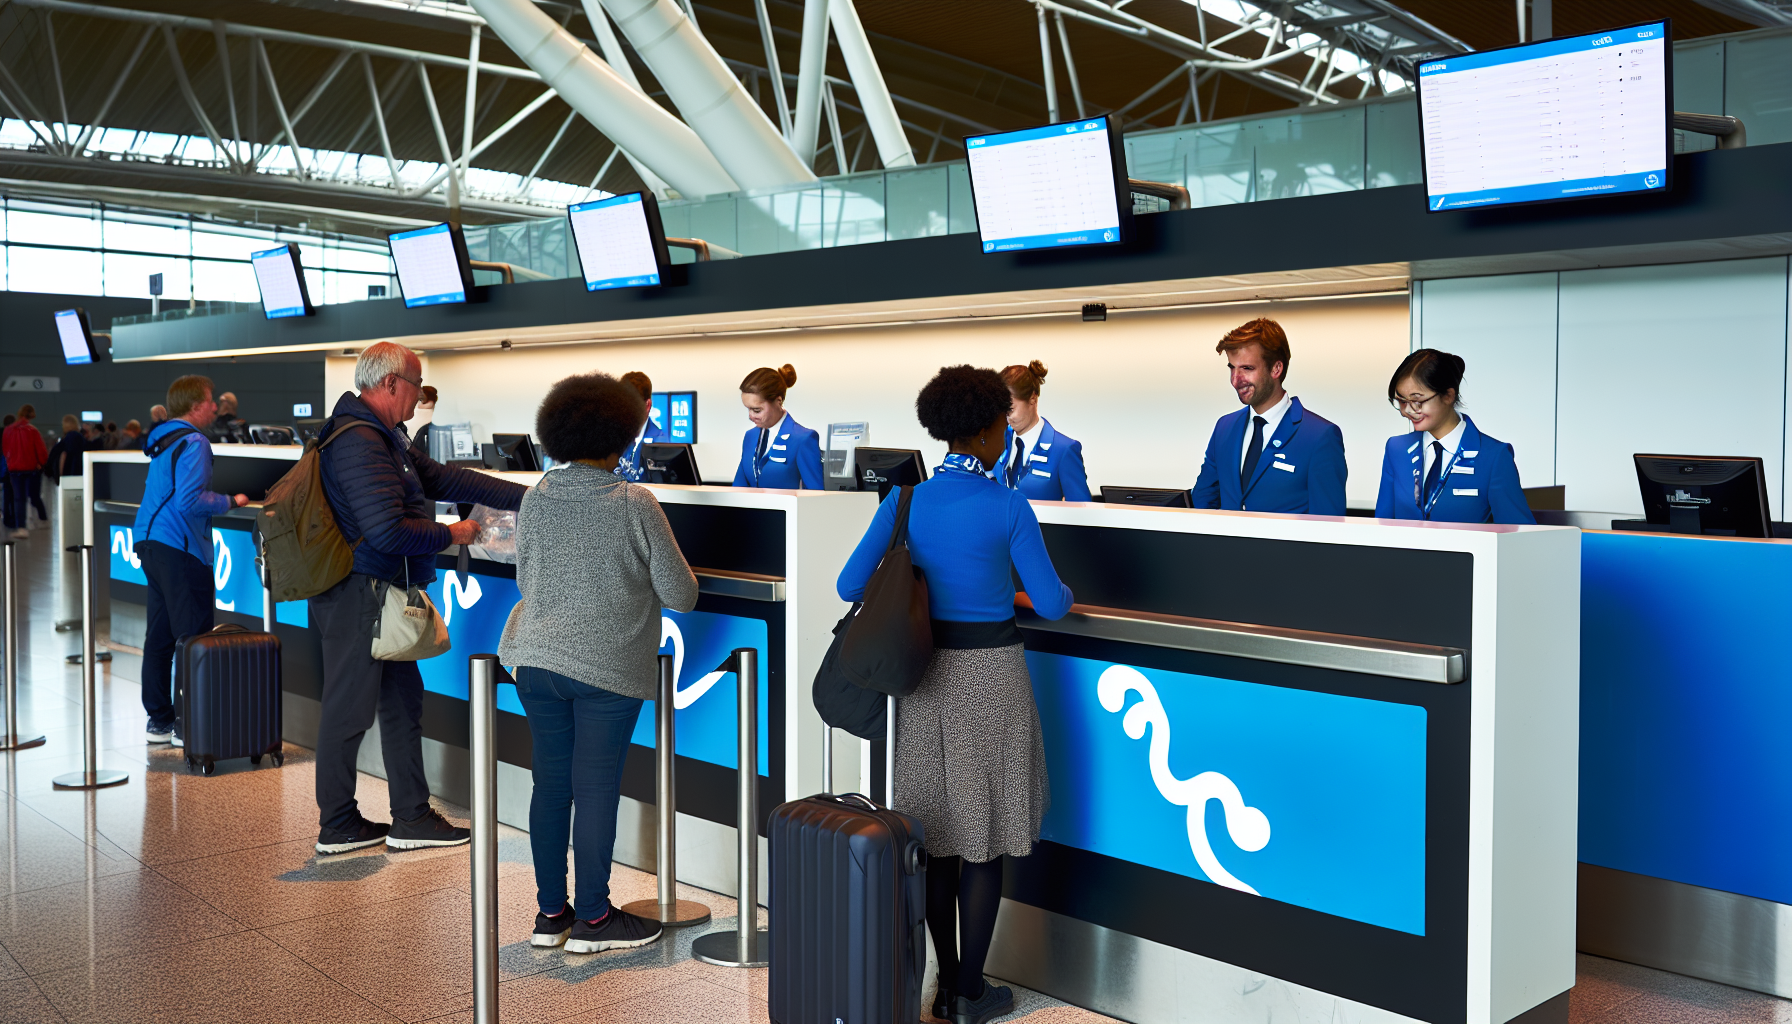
(970, 762)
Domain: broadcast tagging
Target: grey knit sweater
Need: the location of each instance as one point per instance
(595, 562)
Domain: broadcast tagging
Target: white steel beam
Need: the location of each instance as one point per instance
(379, 118)
(868, 81)
(806, 123)
(771, 64)
(617, 58)
(1045, 62)
(186, 90)
(124, 73)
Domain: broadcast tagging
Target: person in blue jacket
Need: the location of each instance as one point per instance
(777, 451)
(1274, 455)
(631, 466)
(1446, 470)
(970, 756)
(1037, 460)
(173, 540)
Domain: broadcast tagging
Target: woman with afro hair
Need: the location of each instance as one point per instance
(970, 763)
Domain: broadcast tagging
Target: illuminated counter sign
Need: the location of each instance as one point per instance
(235, 580)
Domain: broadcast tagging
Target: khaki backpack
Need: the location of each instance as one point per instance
(302, 548)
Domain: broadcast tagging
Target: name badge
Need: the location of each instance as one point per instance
(777, 447)
(1043, 473)
(1286, 467)
(1466, 492)
(774, 458)
(1036, 458)
(1470, 455)
(1469, 470)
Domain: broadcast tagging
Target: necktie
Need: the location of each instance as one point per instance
(1014, 461)
(1436, 470)
(765, 437)
(1253, 453)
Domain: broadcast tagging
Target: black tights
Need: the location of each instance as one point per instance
(962, 899)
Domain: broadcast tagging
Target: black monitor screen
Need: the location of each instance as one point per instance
(517, 452)
(670, 463)
(1165, 496)
(1724, 495)
(879, 469)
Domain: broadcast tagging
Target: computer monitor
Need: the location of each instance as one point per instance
(1566, 118)
(1724, 495)
(620, 241)
(879, 469)
(432, 265)
(1167, 497)
(670, 463)
(517, 453)
(1050, 187)
(76, 338)
(271, 433)
(282, 282)
(307, 429)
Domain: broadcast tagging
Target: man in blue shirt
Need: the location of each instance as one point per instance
(173, 536)
(1273, 455)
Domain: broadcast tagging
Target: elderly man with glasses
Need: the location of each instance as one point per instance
(383, 494)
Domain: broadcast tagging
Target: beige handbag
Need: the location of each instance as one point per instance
(409, 627)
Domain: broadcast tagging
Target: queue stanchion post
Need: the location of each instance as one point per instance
(668, 909)
(748, 945)
(9, 588)
(483, 675)
(92, 776)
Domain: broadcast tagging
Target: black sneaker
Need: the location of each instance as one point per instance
(429, 830)
(942, 1004)
(158, 732)
(996, 1001)
(617, 929)
(361, 834)
(552, 931)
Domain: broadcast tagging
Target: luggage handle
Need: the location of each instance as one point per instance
(827, 755)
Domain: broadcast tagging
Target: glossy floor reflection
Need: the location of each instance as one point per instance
(182, 898)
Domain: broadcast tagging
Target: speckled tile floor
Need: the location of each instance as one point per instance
(182, 898)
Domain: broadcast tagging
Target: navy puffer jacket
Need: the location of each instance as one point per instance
(383, 493)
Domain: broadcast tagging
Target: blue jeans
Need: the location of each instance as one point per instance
(581, 736)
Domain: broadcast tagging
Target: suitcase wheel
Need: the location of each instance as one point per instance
(254, 758)
(192, 764)
(279, 759)
(208, 767)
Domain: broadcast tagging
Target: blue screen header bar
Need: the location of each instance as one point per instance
(1653, 32)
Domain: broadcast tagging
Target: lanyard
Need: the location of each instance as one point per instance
(958, 462)
(1443, 479)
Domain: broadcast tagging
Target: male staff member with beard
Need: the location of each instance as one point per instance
(1272, 455)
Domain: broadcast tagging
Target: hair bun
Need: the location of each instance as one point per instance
(788, 372)
(1038, 369)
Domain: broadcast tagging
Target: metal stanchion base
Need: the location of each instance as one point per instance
(99, 656)
(672, 915)
(68, 627)
(20, 742)
(723, 949)
(83, 780)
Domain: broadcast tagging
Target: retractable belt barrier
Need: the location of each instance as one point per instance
(12, 739)
(91, 776)
(668, 909)
(750, 945)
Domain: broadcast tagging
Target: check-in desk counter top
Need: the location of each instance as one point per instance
(1686, 786)
(766, 563)
(1302, 768)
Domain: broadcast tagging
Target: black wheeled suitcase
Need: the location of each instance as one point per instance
(848, 912)
(229, 695)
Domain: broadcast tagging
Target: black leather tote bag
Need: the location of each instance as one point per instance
(841, 704)
(889, 642)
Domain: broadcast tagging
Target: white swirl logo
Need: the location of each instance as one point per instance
(221, 569)
(683, 698)
(124, 546)
(1248, 826)
(458, 590)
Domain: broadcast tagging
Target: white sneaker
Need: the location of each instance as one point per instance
(21, 534)
(174, 740)
(153, 736)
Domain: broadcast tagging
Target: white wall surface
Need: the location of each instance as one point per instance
(1682, 359)
(1141, 391)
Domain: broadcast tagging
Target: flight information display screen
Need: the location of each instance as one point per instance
(282, 283)
(1559, 119)
(1044, 188)
(429, 269)
(615, 241)
(73, 333)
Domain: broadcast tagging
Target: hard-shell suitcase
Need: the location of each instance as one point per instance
(228, 681)
(848, 911)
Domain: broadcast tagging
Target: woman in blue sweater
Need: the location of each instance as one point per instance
(970, 763)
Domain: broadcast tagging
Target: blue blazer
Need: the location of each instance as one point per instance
(792, 459)
(631, 466)
(1307, 456)
(1480, 485)
(1054, 472)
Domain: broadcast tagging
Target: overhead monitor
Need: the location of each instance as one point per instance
(92, 416)
(432, 265)
(1725, 495)
(282, 282)
(620, 240)
(76, 338)
(1569, 118)
(1052, 187)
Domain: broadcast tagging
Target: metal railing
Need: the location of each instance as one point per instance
(9, 590)
(749, 945)
(668, 909)
(92, 776)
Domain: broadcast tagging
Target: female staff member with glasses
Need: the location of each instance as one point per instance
(1446, 470)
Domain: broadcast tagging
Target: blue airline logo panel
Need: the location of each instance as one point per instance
(235, 578)
(1308, 798)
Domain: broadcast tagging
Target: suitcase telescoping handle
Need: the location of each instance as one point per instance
(827, 755)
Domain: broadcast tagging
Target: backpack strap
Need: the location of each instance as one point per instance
(899, 533)
(163, 444)
(168, 440)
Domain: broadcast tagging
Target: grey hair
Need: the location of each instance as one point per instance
(379, 361)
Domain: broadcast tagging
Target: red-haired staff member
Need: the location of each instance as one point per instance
(1446, 470)
(777, 451)
(1272, 455)
(1037, 460)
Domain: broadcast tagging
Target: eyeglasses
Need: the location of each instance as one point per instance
(1414, 405)
(418, 384)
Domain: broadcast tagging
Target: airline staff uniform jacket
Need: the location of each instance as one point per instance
(1054, 471)
(792, 458)
(1301, 471)
(1478, 484)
